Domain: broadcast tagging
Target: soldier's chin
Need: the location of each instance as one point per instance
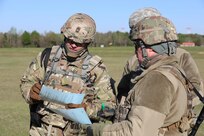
(74, 54)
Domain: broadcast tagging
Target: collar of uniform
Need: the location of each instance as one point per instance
(165, 60)
(76, 61)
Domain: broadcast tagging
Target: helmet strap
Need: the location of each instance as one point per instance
(144, 54)
(147, 61)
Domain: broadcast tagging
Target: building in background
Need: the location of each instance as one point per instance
(188, 44)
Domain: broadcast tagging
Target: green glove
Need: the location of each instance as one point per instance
(96, 129)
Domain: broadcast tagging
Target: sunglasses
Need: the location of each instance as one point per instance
(66, 40)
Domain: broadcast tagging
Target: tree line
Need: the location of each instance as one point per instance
(48, 39)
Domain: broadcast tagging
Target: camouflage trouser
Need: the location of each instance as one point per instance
(71, 129)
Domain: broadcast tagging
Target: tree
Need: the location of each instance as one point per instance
(52, 38)
(11, 38)
(1, 40)
(26, 39)
(35, 38)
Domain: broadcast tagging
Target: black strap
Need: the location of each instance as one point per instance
(193, 87)
(198, 123)
(45, 57)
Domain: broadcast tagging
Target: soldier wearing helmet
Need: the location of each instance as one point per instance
(80, 29)
(68, 68)
(185, 60)
(157, 104)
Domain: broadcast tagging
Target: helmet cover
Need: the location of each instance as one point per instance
(154, 30)
(80, 28)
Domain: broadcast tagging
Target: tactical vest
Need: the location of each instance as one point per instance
(62, 75)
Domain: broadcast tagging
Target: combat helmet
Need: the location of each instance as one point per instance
(154, 30)
(80, 28)
(142, 13)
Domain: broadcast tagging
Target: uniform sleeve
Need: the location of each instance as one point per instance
(105, 99)
(130, 65)
(137, 124)
(124, 85)
(189, 66)
(33, 74)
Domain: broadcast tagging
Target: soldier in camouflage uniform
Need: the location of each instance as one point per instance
(159, 102)
(185, 61)
(70, 68)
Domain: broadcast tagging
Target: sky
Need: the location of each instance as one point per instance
(109, 15)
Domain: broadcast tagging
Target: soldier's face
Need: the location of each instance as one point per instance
(73, 46)
(139, 53)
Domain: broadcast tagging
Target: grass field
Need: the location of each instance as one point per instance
(14, 114)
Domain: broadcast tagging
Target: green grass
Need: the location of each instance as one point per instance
(14, 114)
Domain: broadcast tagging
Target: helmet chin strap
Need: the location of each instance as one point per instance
(144, 55)
(146, 60)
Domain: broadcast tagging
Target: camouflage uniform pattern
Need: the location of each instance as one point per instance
(97, 91)
(154, 30)
(142, 13)
(80, 28)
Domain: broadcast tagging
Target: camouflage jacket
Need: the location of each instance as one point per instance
(98, 90)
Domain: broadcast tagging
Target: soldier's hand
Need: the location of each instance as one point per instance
(95, 129)
(35, 91)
